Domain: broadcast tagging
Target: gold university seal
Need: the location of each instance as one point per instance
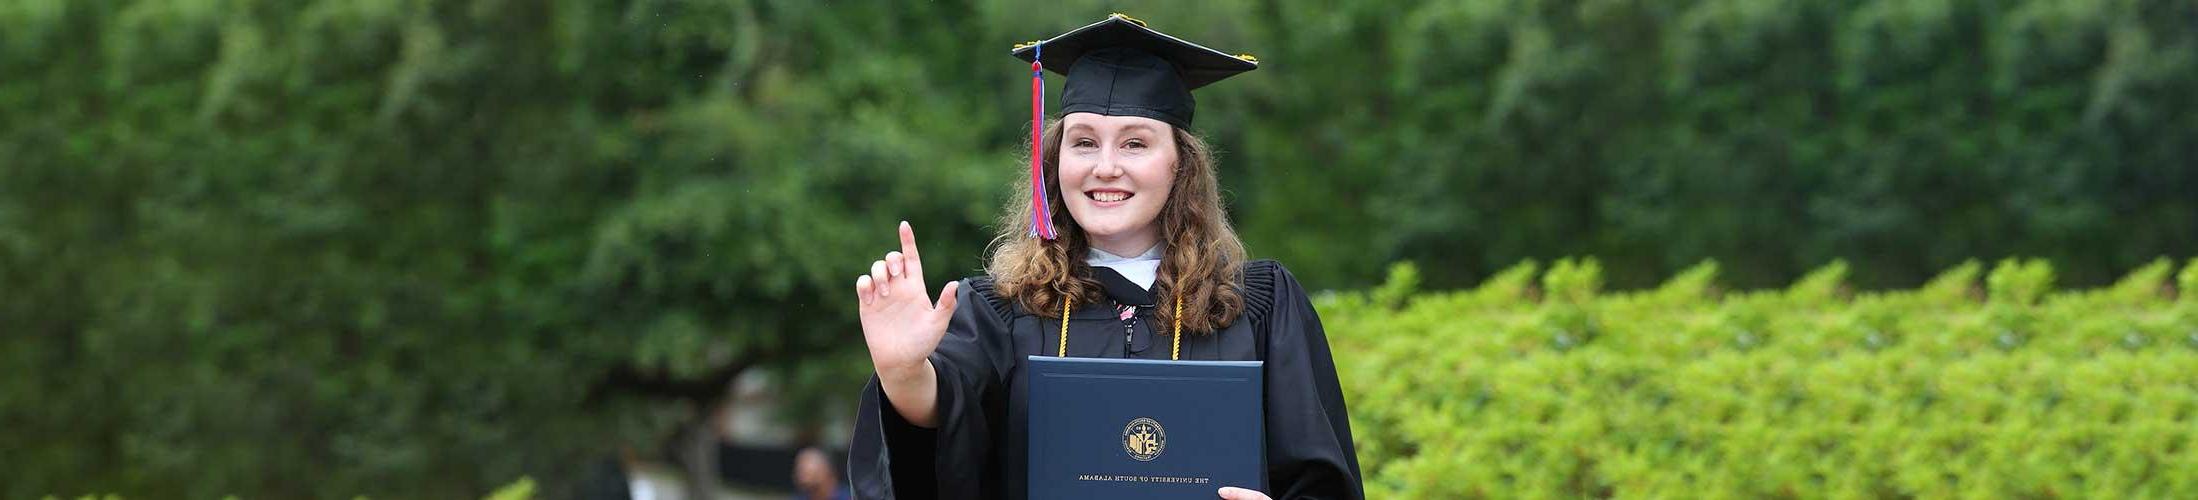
(1144, 439)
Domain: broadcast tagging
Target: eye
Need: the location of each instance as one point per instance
(1134, 144)
(1082, 142)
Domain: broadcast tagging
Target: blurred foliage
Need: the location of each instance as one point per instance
(1808, 392)
(416, 248)
(522, 489)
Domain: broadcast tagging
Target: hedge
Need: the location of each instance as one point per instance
(1975, 385)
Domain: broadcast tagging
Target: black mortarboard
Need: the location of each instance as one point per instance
(1120, 67)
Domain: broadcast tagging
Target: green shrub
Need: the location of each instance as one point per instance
(1685, 392)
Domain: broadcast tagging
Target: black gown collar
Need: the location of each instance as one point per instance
(1121, 289)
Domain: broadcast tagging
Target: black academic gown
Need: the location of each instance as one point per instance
(980, 449)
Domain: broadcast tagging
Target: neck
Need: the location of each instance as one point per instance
(1126, 245)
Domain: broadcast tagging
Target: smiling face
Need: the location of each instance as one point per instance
(1162, 190)
(1116, 172)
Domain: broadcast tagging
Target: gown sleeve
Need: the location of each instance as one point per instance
(1309, 450)
(891, 458)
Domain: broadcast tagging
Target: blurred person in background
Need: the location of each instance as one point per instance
(814, 477)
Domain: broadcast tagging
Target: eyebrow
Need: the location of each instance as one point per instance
(1085, 127)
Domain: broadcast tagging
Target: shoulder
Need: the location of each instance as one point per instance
(981, 290)
(1268, 275)
(1264, 280)
(1266, 272)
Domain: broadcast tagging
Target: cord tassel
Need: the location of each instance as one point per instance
(1041, 209)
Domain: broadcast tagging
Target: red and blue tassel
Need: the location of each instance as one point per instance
(1041, 212)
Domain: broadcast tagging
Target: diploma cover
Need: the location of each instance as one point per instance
(1129, 428)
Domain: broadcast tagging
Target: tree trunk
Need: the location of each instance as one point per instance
(697, 450)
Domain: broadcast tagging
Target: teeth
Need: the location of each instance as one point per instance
(1110, 196)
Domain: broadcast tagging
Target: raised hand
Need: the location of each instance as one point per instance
(900, 323)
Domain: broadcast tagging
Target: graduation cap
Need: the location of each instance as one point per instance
(1118, 67)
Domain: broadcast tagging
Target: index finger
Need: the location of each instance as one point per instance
(908, 250)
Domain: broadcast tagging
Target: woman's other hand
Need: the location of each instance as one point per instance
(1235, 493)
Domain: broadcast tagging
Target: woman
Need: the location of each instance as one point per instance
(1146, 251)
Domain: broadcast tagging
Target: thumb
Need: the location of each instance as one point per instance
(1235, 493)
(948, 299)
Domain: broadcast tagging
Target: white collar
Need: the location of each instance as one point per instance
(1142, 269)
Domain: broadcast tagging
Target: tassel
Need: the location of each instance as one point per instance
(1041, 213)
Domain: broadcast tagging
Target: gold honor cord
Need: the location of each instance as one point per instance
(1065, 301)
(1175, 351)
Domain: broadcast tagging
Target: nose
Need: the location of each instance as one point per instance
(1108, 167)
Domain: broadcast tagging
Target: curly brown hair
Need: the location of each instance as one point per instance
(1203, 259)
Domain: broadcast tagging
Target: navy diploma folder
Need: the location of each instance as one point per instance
(1129, 428)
